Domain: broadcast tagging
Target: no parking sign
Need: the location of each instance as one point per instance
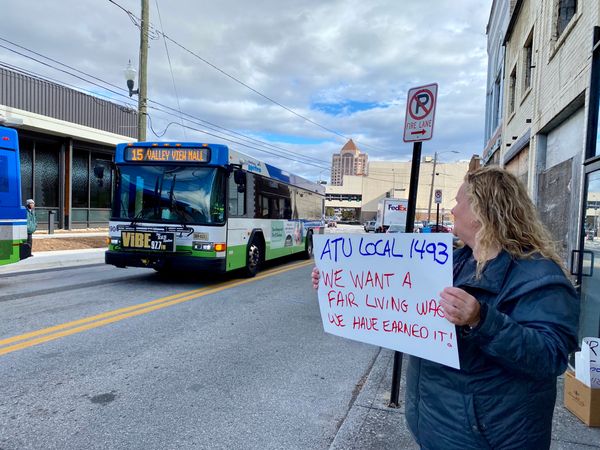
(420, 113)
(438, 196)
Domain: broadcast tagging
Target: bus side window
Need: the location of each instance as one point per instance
(236, 201)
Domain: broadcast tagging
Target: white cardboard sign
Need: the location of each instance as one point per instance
(383, 289)
(587, 362)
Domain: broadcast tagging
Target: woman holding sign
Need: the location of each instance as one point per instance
(516, 314)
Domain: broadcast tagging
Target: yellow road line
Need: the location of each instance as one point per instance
(88, 323)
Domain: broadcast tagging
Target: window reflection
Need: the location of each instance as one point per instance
(173, 194)
(590, 285)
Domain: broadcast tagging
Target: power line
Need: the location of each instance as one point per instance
(184, 48)
(211, 125)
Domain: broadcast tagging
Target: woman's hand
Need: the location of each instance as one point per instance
(460, 307)
(315, 275)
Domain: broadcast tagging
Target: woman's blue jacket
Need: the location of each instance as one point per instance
(504, 393)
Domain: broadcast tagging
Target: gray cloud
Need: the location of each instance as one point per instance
(298, 53)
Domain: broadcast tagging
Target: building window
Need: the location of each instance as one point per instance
(512, 87)
(496, 112)
(527, 62)
(566, 11)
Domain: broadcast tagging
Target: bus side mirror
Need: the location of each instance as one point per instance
(239, 176)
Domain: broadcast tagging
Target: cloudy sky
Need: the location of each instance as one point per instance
(276, 77)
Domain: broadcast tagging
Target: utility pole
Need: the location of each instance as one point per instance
(143, 79)
(431, 189)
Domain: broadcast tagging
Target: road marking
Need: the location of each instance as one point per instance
(88, 323)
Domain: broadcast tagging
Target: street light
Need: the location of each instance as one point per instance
(130, 76)
(435, 156)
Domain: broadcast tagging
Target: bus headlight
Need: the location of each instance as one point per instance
(115, 241)
(202, 246)
(209, 246)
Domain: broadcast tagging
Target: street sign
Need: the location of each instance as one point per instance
(438, 196)
(420, 113)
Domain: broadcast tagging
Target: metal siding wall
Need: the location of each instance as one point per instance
(53, 100)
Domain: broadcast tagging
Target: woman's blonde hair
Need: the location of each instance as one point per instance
(508, 217)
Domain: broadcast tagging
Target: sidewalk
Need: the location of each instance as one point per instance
(371, 424)
(62, 249)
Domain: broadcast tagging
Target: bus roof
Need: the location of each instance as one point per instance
(221, 155)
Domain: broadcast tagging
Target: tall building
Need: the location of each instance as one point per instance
(350, 161)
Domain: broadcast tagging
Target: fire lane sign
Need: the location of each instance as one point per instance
(420, 113)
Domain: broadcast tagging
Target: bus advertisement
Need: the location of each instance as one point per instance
(13, 216)
(204, 207)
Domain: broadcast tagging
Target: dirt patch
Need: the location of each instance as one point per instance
(71, 243)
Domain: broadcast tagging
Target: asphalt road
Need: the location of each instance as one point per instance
(86, 361)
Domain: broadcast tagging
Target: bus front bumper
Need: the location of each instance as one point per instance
(162, 261)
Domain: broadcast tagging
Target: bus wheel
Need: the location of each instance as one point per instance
(253, 258)
(308, 253)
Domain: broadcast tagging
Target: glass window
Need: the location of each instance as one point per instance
(100, 181)
(527, 62)
(236, 200)
(80, 178)
(173, 194)
(26, 157)
(589, 322)
(46, 176)
(566, 11)
(512, 88)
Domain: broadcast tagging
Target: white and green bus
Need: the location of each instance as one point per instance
(203, 207)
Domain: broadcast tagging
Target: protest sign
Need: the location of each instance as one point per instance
(384, 290)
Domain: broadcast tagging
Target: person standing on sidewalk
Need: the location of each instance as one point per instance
(31, 221)
(516, 314)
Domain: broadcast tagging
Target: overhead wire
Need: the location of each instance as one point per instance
(306, 160)
(184, 48)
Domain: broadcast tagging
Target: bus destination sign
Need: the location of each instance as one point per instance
(158, 154)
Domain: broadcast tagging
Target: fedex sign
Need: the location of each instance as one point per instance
(398, 207)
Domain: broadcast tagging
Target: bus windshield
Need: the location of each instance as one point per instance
(172, 194)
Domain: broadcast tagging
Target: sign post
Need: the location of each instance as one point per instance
(418, 127)
(438, 200)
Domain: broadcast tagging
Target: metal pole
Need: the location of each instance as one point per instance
(410, 224)
(431, 188)
(143, 79)
(437, 217)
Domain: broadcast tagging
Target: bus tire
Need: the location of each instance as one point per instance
(308, 252)
(254, 257)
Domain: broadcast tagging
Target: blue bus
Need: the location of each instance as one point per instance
(204, 207)
(13, 216)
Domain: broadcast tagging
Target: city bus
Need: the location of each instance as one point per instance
(13, 216)
(204, 207)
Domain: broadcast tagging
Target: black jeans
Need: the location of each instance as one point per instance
(30, 239)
